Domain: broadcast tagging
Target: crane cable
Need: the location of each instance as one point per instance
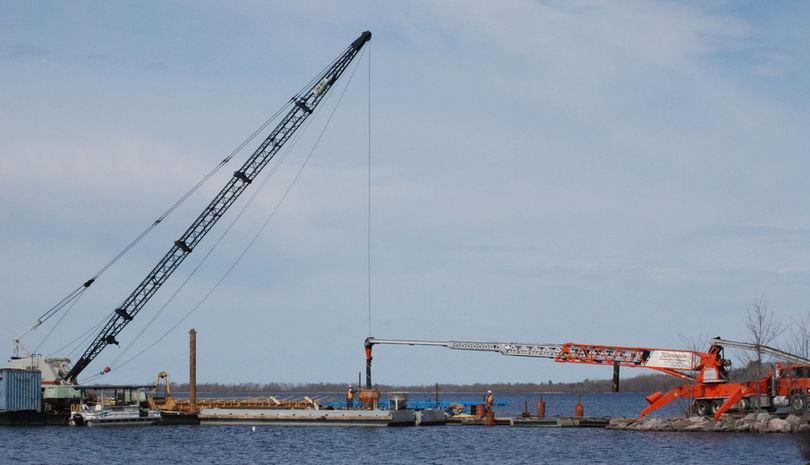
(76, 293)
(73, 296)
(298, 95)
(247, 247)
(75, 300)
(369, 191)
(85, 337)
(171, 298)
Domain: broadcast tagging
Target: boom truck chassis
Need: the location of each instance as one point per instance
(784, 385)
(711, 391)
(60, 387)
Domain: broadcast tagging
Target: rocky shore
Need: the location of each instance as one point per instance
(753, 422)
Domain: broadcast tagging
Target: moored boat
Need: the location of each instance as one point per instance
(129, 415)
(113, 406)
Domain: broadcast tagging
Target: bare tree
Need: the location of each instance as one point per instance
(763, 328)
(695, 343)
(800, 336)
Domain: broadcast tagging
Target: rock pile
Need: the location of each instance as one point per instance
(753, 422)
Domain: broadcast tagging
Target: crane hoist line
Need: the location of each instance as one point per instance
(304, 104)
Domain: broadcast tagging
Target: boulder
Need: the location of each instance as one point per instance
(617, 423)
(621, 423)
(647, 424)
(778, 425)
(759, 423)
(681, 424)
(710, 425)
(794, 422)
(742, 427)
(694, 427)
(738, 425)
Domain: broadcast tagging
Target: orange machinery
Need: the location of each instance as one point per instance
(708, 371)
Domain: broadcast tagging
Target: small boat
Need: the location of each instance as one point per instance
(115, 416)
(126, 407)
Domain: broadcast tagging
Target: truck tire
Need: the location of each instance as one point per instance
(716, 404)
(798, 403)
(702, 407)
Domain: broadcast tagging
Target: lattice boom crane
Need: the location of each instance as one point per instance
(304, 104)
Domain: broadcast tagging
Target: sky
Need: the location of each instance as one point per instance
(614, 173)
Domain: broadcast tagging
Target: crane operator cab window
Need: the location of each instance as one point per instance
(795, 372)
(799, 372)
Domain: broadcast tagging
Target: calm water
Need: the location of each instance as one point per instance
(442, 444)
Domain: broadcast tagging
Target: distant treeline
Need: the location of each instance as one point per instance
(645, 383)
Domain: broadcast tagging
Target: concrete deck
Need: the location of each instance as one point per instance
(295, 417)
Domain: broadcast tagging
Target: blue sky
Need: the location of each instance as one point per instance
(621, 173)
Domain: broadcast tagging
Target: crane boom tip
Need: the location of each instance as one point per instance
(360, 41)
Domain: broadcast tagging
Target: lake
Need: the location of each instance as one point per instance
(435, 444)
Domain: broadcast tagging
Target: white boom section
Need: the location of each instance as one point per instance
(573, 353)
(780, 354)
(18, 341)
(506, 348)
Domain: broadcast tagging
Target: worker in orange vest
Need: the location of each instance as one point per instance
(490, 400)
(350, 397)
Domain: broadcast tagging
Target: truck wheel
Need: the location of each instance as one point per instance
(744, 404)
(798, 403)
(716, 404)
(702, 407)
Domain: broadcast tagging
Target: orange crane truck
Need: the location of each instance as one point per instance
(711, 390)
(783, 386)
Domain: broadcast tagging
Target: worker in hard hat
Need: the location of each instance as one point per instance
(489, 400)
(350, 397)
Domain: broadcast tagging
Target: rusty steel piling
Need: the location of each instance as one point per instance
(541, 407)
(192, 370)
(615, 385)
